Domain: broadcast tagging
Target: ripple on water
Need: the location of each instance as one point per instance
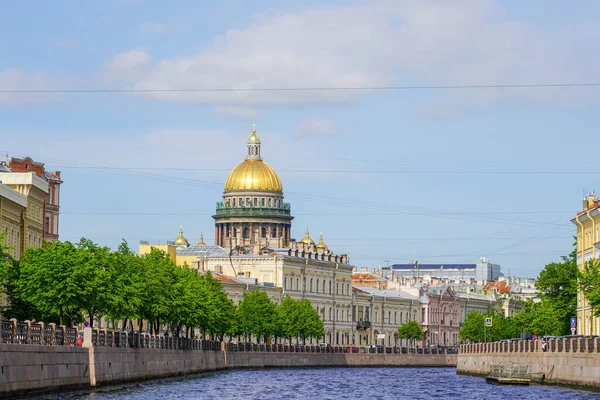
(338, 383)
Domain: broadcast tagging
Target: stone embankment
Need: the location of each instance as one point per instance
(562, 361)
(38, 360)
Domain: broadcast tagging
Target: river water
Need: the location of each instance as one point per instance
(337, 383)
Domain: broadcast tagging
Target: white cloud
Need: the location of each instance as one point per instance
(18, 79)
(127, 66)
(246, 113)
(151, 28)
(316, 126)
(365, 45)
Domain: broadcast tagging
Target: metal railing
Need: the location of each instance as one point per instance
(580, 344)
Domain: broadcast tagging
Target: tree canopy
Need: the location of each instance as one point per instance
(410, 330)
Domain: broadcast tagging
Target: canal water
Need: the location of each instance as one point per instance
(337, 383)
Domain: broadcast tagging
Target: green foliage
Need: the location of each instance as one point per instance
(6, 260)
(557, 285)
(474, 328)
(589, 282)
(63, 282)
(410, 330)
(298, 318)
(257, 314)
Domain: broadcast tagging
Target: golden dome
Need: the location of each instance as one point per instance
(201, 242)
(253, 175)
(307, 240)
(181, 241)
(321, 245)
(254, 138)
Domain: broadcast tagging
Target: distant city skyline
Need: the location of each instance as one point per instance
(434, 175)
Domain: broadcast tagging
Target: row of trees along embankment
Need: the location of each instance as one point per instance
(67, 283)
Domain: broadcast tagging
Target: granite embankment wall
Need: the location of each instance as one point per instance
(295, 360)
(29, 369)
(564, 361)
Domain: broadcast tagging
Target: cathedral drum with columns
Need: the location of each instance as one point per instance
(253, 211)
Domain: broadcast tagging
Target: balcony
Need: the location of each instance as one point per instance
(363, 324)
(223, 211)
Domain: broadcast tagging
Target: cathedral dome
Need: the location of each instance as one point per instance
(253, 173)
(181, 241)
(321, 245)
(307, 240)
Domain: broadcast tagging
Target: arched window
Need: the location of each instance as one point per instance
(317, 286)
(263, 232)
(246, 233)
(330, 314)
(329, 287)
(310, 287)
(269, 203)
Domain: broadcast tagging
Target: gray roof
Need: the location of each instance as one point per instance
(474, 296)
(386, 293)
(201, 251)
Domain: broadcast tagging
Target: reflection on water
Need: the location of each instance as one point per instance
(338, 383)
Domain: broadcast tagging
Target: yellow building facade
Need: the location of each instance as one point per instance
(22, 211)
(588, 246)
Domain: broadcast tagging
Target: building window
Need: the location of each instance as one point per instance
(297, 283)
(423, 316)
(323, 286)
(263, 232)
(310, 287)
(262, 202)
(330, 314)
(285, 282)
(47, 224)
(269, 203)
(255, 202)
(337, 288)
(330, 287)
(233, 202)
(246, 233)
(317, 286)
(241, 200)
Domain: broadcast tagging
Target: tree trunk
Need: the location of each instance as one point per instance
(61, 314)
(91, 315)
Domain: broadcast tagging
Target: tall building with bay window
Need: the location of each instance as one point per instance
(52, 198)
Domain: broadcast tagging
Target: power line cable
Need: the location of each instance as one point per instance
(311, 89)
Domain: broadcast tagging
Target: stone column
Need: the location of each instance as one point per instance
(217, 242)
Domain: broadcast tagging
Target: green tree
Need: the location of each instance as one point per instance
(92, 274)
(557, 286)
(410, 330)
(127, 285)
(312, 325)
(289, 318)
(257, 314)
(221, 312)
(589, 282)
(158, 297)
(472, 328)
(6, 261)
(51, 280)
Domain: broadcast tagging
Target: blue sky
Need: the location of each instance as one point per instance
(388, 176)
